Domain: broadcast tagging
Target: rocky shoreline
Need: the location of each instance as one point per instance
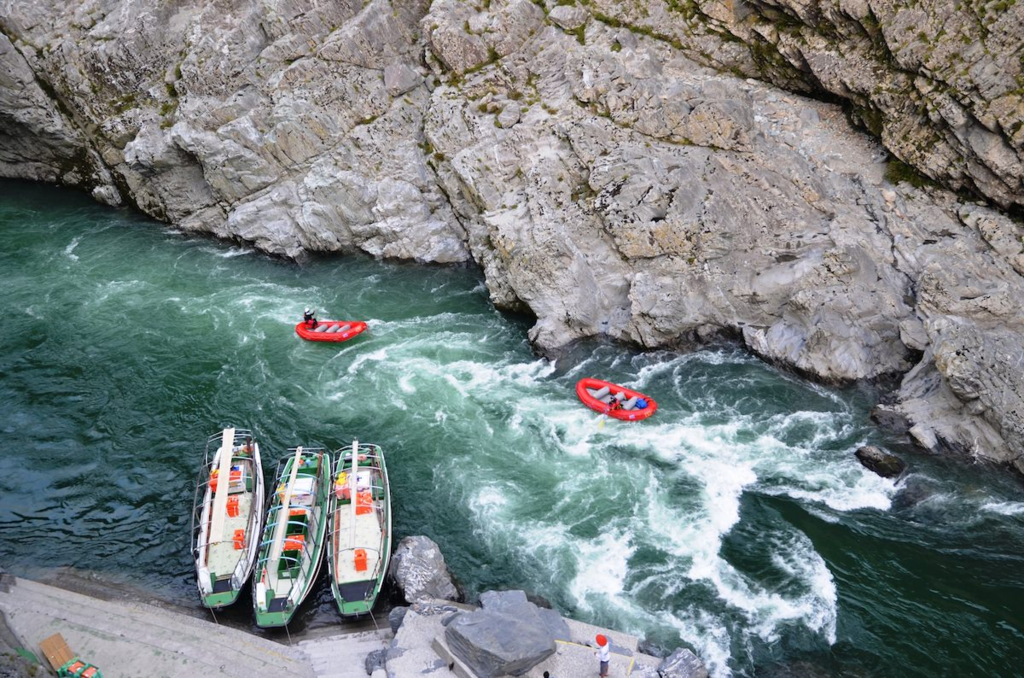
(506, 634)
(603, 179)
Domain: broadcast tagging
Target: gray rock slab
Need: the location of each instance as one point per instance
(494, 643)
(515, 604)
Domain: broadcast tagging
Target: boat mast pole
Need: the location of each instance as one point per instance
(277, 545)
(220, 500)
(353, 491)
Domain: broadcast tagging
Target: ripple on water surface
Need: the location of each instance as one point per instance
(736, 520)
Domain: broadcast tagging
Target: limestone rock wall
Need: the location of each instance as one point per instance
(604, 180)
(941, 83)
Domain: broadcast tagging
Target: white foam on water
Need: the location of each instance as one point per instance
(805, 472)
(709, 636)
(863, 493)
(445, 319)
(477, 376)
(697, 537)
(128, 293)
(676, 363)
(1005, 508)
(70, 249)
(489, 501)
(720, 461)
(492, 503)
(822, 514)
(377, 356)
(693, 540)
(796, 556)
(724, 469)
(228, 252)
(602, 565)
(405, 384)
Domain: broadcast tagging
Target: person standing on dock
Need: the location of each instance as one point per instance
(604, 654)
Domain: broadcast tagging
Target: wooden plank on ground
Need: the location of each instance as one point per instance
(57, 651)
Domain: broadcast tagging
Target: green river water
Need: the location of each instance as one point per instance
(736, 521)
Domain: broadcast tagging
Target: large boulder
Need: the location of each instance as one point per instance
(418, 567)
(518, 604)
(882, 463)
(682, 664)
(508, 636)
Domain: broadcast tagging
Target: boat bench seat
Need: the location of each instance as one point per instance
(321, 328)
(604, 395)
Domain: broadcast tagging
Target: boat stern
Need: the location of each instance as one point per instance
(355, 598)
(218, 600)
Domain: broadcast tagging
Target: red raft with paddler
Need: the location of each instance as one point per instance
(312, 329)
(614, 400)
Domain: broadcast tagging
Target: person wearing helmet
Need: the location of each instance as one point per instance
(310, 318)
(604, 653)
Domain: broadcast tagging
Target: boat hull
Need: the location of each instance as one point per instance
(604, 408)
(223, 567)
(353, 536)
(354, 329)
(284, 577)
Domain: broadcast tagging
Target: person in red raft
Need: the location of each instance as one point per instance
(309, 317)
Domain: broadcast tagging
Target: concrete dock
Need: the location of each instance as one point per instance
(133, 639)
(125, 638)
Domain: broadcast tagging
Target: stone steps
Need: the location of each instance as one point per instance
(343, 656)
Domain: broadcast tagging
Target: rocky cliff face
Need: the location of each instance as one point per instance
(602, 179)
(941, 83)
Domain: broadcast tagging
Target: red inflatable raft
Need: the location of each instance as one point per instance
(597, 395)
(331, 330)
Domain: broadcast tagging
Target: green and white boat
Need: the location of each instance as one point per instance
(293, 539)
(359, 540)
(226, 516)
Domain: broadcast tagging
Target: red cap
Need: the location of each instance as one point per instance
(601, 640)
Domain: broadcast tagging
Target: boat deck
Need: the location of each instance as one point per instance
(222, 557)
(366, 536)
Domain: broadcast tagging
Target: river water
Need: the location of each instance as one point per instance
(735, 521)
